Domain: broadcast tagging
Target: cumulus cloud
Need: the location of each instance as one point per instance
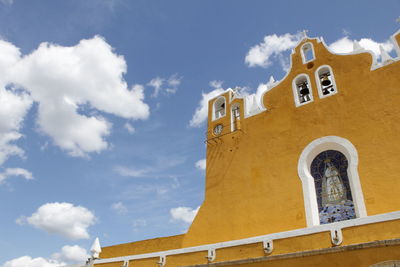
(201, 164)
(201, 113)
(263, 87)
(272, 47)
(25, 261)
(345, 45)
(184, 214)
(119, 207)
(14, 104)
(67, 255)
(71, 254)
(15, 172)
(71, 85)
(170, 85)
(63, 219)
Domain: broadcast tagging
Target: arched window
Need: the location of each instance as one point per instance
(307, 53)
(302, 90)
(235, 117)
(328, 169)
(325, 81)
(219, 108)
(332, 188)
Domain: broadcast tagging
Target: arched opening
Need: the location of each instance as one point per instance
(332, 188)
(309, 158)
(307, 53)
(235, 117)
(219, 108)
(302, 90)
(326, 81)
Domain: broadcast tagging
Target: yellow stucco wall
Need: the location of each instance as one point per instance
(142, 247)
(252, 183)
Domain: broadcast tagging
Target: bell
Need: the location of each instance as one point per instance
(304, 89)
(325, 80)
(325, 91)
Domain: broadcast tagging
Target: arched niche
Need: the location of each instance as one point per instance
(310, 152)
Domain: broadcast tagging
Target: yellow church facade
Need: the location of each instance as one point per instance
(307, 175)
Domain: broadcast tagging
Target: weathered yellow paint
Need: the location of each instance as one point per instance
(187, 259)
(111, 264)
(252, 184)
(371, 232)
(142, 247)
(144, 262)
(352, 258)
(240, 252)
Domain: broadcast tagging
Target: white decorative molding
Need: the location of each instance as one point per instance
(268, 246)
(162, 261)
(259, 239)
(318, 81)
(296, 93)
(307, 46)
(336, 236)
(211, 254)
(309, 153)
(216, 101)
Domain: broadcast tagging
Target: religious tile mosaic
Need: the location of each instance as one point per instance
(335, 203)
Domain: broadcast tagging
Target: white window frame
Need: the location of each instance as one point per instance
(332, 78)
(308, 155)
(296, 93)
(303, 56)
(214, 108)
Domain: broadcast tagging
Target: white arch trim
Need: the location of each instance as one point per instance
(318, 81)
(309, 153)
(296, 93)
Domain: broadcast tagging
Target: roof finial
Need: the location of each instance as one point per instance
(96, 248)
(304, 34)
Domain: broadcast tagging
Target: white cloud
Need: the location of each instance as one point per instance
(272, 46)
(157, 82)
(138, 223)
(263, 87)
(67, 255)
(71, 254)
(26, 261)
(201, 113)
(14, 104)
(130, 128)
(63, 219)
(130, 172)
(172, 84)
(7, 2)
(216, 84)
(345, 45)
(15, 172)
(184, 214)
(201, 164)
(70, 84)
(119, 207)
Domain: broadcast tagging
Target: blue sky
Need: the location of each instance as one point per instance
(102, 114)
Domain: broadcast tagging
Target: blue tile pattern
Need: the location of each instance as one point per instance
(335, 203)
